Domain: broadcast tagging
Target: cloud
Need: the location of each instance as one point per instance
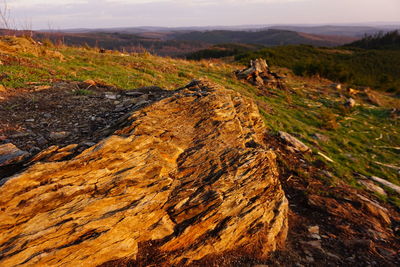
(26, 3)
(203, 2)
(33, 3)
(127, 13)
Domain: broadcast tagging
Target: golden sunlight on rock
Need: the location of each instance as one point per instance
(189, 178)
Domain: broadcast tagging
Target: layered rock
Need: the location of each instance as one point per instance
(10, 154)
(186, 179)
(258, 73)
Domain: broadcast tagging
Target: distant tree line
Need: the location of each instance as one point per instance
(222, 50)
(381, 40)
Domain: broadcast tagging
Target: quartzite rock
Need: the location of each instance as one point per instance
(258, 73)
(351, 103)
(59, 135)
(372, 187)
(10, 154)
(293, 142)
(179, 184)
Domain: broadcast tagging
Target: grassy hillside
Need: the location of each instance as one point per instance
(359, 140)
(47, 64)
(375, 68)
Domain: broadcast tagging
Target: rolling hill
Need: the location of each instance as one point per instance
(266, 38)
(338, 30)
(167, 42)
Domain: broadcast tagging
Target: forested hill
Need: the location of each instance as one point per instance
(381, 41)
(270, 37)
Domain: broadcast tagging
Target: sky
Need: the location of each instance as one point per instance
(62, 14)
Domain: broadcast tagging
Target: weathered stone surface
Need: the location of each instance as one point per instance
(188, 178)
(295, 143)
(386, 183)
(59, 135)
(258, 73)
(351, 103)
(372, 187)
(45, 154)
(10, 154)
(337, 86)
(321, 137)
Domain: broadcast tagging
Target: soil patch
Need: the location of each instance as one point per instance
(38, 117)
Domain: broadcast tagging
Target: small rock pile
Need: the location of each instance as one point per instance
(258, 73)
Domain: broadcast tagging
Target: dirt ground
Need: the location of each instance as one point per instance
(38, 117)
(332, 225)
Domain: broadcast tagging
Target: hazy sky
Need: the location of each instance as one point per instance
(55, 14)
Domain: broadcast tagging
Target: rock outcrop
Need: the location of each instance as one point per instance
(186, 179)
(10, 154)
(258, 73)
